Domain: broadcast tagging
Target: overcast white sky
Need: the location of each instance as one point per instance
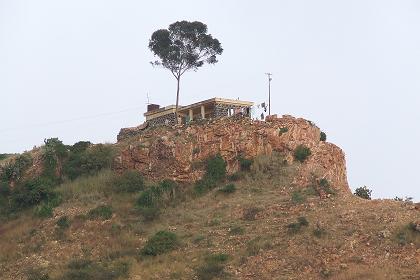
(79, 70)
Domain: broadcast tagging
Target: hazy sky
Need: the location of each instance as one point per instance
(79, 70)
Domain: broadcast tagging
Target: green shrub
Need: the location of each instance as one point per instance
(236, 230)
(44, 210)
(319, 232)
(303, 221)
(4, 156)
(89, 161)
(245, 164)
(213, 267)
(103, 212)
(15, 168)
(151, 200)
(283, 130)
(323, 136)
(298, 197)
(363, 192)
(235, 176)
(296, 227)
(215, 173)
(408, 234)
(325, 186)
(254, 246)
(149, 213)
(301, 153)
(250, 213)
(216, 168)
(130, 181)
(160, 243)
(33, 192)
(230, 188)
(54, 153)
(63, 222)
(87, 270)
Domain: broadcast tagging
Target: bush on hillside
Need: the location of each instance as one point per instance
(130, 181)
(160, 243)
(152, 199)
(363, 192)
(323, 136)
(213, 267)
(216, 168)
(88, 161)
(33, 192)
(230, 188)
(215, 173)
(84, 269)
(245, 164)
(54, 153)
(15, 168)
(103, 212)
(301, 153)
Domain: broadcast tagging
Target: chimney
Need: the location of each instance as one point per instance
(152, 107)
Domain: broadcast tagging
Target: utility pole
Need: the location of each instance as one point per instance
(269, 92)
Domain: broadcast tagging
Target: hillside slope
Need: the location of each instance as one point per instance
(270, 217)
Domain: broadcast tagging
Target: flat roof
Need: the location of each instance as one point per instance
(204, 102)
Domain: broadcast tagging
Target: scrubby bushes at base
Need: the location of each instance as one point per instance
(215, 173)
(301, 153)
(130, 181)
(151, 200)
(245, 164)
(160, 243)
(87, 161)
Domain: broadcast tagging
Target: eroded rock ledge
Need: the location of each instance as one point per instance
(173, 152)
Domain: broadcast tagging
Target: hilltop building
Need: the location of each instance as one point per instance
(207, 109)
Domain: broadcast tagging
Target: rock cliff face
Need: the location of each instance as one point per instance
(176, 152)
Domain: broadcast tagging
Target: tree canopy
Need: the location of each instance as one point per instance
(184, 46)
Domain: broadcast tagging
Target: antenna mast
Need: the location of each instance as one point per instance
(269, 92)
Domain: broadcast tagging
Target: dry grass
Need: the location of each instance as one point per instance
(261, 247)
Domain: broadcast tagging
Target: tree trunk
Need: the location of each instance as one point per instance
(177, 99)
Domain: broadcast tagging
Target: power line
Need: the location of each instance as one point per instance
(70, 120)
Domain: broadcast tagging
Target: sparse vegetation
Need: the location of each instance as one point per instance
(296, 227)
(298, 197)
(323, 136)
(215, 173)
(363, 192)
(302, 153)
(130, 181)
(283, 130)
(213, 267)
(102, 212)
(230, 188)
(245, 164)
(408, 234)
(84, 269)
(160, 243)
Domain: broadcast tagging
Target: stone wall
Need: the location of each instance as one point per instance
(173, 152)
(168, 119)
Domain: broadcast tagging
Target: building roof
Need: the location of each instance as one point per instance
(171, 108)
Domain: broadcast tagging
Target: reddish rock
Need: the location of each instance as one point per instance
(169, 152)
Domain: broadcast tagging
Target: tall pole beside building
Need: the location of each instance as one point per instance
(269, 92)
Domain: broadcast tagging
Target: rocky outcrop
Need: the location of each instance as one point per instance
(176, 152)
